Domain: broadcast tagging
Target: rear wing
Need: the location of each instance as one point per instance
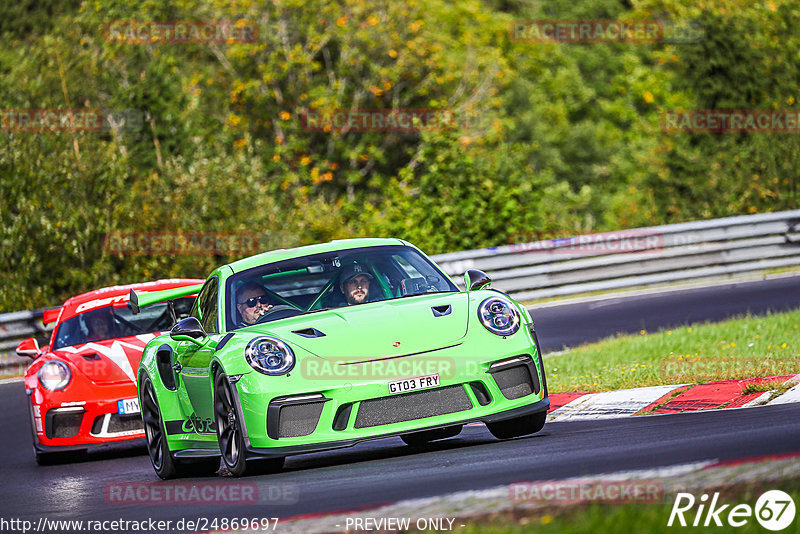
(146, 299)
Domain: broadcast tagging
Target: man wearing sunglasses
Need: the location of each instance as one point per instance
(252, 302)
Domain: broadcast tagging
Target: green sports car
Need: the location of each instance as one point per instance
(324, 346)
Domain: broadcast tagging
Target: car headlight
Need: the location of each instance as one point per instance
(499, 316)
(54, 375)
(269, 355)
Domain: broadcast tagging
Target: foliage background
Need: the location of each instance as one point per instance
(552, 137)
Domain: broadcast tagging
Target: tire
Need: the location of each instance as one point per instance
(164, 463)
(418, 439)
(229, 428)
(520, 426)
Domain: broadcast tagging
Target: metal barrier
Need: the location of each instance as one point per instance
(640, 257)
(562, 266)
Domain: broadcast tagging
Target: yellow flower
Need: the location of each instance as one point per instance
(305, 160)
(783, 346)
(547, 519)
(416, 25)
(733, 344)
(393, 53)
(642, 332)
(648, 97)
(276, 157)
(669, 332)
(326, 177)
(373, 20)
(341, 21)
(285, 115)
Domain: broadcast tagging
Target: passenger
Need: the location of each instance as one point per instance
(354, 283)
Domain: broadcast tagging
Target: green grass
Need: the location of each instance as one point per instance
(745, 347)
(629, 518)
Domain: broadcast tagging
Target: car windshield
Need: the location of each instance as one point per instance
(330, 280)
(109, 323)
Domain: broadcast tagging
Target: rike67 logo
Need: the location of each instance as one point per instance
(774, 510)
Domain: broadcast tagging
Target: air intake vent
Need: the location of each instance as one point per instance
(93, 357)
(411, 406)
(439, 311)
(308, 332)
(63, 422)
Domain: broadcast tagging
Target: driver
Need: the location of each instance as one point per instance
(354, 283)
(252, 303)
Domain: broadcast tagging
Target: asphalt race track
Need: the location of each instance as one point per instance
(384, 471)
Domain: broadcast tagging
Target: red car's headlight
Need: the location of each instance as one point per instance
(54, 375)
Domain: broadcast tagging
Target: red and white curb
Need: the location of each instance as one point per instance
(675, 398)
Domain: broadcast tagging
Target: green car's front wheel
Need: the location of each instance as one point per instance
(229, 428)
(165, 465)
(231, 437)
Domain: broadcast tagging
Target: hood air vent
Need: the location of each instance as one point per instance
(308, 332)
(439, 311)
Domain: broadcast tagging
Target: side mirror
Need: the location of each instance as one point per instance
(475, 280)
(28, 347)
(188, 329)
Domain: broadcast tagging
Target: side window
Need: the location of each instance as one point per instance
(205, 307)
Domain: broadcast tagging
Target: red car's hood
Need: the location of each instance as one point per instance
(110, 360)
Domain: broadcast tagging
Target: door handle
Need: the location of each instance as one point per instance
(177, 367)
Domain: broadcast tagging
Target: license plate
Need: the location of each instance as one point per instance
(414, 384)
(128, 406)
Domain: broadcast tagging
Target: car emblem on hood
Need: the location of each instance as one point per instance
(396, 344)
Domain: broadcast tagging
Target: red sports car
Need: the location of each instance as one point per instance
(82, 386)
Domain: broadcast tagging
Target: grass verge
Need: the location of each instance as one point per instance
(744, 347)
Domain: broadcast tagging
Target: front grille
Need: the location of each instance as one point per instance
(411, 406)
(299, 419)
(63, 422)
(515, 382)
(124, 423)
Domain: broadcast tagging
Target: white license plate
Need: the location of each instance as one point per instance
(414, 384)
(128, 406)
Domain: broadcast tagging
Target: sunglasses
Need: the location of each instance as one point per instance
(263, 299)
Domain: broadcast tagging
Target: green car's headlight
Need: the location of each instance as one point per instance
(269, 355)
(54, 375)
(499, 316)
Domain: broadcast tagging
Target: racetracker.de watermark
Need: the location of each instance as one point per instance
(560, 242)
(377, 120)
(199, 493)
(181, 32)
(390, 368)
(38, 120)
(731, 121)
(181, 243)
(576, 491)
(587, 31)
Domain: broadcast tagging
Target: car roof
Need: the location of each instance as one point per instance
(117, 294)
(290, 253)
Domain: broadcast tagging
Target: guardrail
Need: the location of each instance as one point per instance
(564, 266)
(640, 257)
